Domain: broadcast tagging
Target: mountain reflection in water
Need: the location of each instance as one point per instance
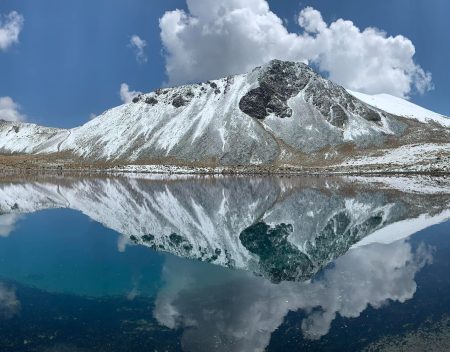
(325, 247)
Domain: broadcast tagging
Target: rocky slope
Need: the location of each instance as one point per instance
(283, 229)
(281, 115)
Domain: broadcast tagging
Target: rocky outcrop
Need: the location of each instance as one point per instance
(278, 82)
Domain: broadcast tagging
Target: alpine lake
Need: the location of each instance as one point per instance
(224, 263)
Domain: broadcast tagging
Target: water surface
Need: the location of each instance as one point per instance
(224, 264)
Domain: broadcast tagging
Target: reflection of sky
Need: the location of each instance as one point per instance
(240, 310)
(61, 250)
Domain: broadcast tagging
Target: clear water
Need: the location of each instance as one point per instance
(223, 264)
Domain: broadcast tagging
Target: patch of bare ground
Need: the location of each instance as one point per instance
(305, 166)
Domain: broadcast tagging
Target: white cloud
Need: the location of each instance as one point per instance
(10, 110)
(10, 27)
(138, 45)
(311, 20)
(126, 94)
(215, 39)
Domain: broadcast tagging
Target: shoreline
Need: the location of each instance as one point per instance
(64, 164)
(176, 170)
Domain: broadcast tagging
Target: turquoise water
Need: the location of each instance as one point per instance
(63, 251)
(296, 276)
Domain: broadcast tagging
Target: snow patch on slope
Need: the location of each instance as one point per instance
(19, 137)
(401, 107)
(405, 155)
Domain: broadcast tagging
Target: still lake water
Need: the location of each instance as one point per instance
(224, 264)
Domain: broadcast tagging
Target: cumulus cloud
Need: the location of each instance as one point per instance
(10, 27)
(242, 310)
(127, 95)
(215, 39)
(138, 45)
(10, 110)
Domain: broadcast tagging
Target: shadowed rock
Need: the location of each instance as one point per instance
(178, 101)
(151, 101)
(278, 82)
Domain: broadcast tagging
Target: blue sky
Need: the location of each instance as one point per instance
(72, 56)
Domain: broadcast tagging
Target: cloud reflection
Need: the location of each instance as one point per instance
(9, 304)
(8, 223)
(237, 311)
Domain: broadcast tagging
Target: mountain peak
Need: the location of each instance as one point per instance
(278, 81)
(281, 115)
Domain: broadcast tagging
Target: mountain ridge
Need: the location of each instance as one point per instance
(280, 115)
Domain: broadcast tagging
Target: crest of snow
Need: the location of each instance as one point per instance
(16, 137)
(401, 107)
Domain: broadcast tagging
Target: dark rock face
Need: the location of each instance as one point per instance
(136, 99)
(338, 236)
(151, 100)
(333, 102)
(338, 116)
(148, 238)
(178, 101)
(228, 82)
(279, 82)
(254, 103)
(279, 259)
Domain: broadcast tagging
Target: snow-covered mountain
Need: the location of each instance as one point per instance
(284, 229)
(279, 115)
